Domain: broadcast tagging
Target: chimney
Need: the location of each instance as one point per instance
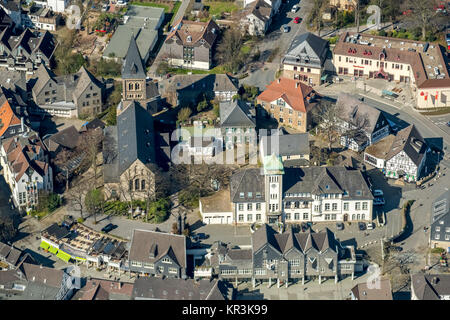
(296, 84)
(120, 285)
(278, 80)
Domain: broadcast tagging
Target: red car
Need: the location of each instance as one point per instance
(297, 20)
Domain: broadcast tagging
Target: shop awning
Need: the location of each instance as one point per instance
(63, 256)
(79, 259)
(44, 245)
(52, 249)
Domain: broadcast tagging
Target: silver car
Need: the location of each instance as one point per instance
(286, 28)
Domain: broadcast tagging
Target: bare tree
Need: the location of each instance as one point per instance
(127, 190)
(76, 195)
(60, 161)
(326, 116)
(422, 14)
(90, 146)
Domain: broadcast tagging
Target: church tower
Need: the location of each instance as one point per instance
(273, 172)
(133, 74)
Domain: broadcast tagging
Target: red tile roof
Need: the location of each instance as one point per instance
(7, 117)
(292, 91)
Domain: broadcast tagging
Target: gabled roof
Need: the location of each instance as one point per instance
(430, 286)
(308, 45)
(68, 138)
(135, 138)
(265, 235)
(384, 292)
(193, 32)
(7, 117)
(321, 180)
(236, 113)
(85, 78)
(260, 9)
(43, 75)
(354, 111)
(99, 289)
(411, 142)
(293, 92)
(179, 289)
(132, 67)
(245, 181)
(165, 244)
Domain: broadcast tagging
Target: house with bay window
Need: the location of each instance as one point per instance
(237, 122)
(284, 257)
(158, 254)
(400, 156)
(360, 124)
(25, 162)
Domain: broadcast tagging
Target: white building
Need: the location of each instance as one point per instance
(294, 195)
(400, 156)
(56, 5)
(216, 209)
(26, 169)
(360, 124)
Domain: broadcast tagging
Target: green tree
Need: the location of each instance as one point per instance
(184, 114)
(159, 209)
(111, 116)
(94, 202)
(7, 228)
(203, 104)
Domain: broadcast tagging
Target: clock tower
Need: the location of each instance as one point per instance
(273, 172)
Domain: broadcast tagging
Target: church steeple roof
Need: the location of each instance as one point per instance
(132, 67)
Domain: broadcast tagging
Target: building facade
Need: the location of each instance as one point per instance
(65, 96)
(158, 254)
(26, 169)
(27, 51)
(190, 44)
(400, 156)
(289, 102)
(285, 257)
(305, 59)
(237, 122)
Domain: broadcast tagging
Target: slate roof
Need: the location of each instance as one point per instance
(68, 138)
(319, 180)
(110, 155)
(247, 180)
(430, 286)
(384, 292)
(72, 86)
(302, 241)
(166, 244)
(307, 46)
(94, 124)
(210, 82)
(135, 138)
(260, 9)
(179, 289)
(10, 254)
(288, 144)
(197, 31)
(352, 110)
(408, 140)
(132, 67)
(292, 91)
(48, 276)
(236, 113)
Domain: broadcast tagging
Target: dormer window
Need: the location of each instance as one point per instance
(189, 39)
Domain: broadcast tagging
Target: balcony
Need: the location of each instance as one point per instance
(203, 272)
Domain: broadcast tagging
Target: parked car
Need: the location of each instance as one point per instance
(294, 8)
(378, 201)
(339, 226)
(397, 249)
(286, 28)
(370, 226)
(297, 20)
(378, 193)
(361, 226)
(448, 124)
(109, 227)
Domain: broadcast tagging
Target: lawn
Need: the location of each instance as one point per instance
(436, 112)
(216, 8)
(215, 70)
(151, 4)
(174, 11)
